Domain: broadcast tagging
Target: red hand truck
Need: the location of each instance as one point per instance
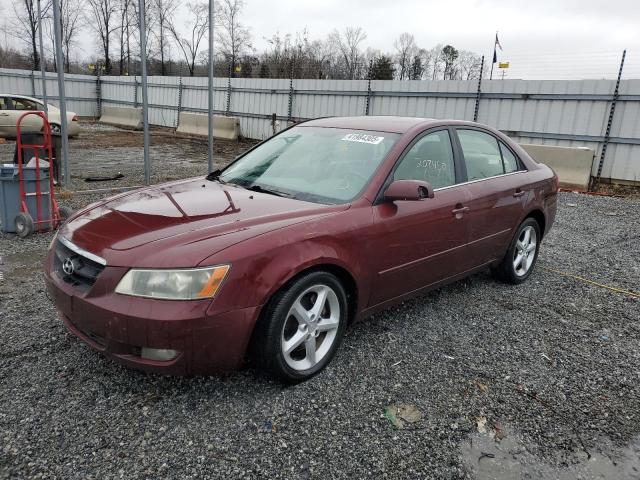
(24, 222)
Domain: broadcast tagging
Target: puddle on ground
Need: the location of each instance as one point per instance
(21, 265)
(488, 459)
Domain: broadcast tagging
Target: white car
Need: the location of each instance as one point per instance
(12, 106)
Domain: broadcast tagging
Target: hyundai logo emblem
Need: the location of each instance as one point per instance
(68, 267)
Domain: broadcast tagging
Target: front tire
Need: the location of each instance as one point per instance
(302, 327)
(522, 255)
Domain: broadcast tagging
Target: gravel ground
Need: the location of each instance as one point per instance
(550, 369)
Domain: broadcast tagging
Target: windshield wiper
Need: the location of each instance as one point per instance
(215, 176)
(260, 189)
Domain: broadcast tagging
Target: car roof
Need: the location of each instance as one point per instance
(381, 123)
(20, 96)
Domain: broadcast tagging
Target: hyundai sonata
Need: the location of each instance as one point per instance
(271, 258)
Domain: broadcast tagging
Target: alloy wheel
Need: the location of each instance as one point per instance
(311, 327)
(525, 251)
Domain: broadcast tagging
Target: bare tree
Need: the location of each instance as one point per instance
(468, 65)
(164, 10)
(406, 48)
(199, 26)
(102, 17)
(348, 47)
(437, 63)
(233, 36)
(149, 24)
(125, 15)
(25, 25)
(71, 23)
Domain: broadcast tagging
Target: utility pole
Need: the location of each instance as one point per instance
(210, 97)
(61, 93)
(145, 99)
(42, 66)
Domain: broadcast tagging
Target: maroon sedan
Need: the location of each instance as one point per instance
(325, 223)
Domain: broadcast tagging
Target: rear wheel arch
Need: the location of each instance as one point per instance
(539, 217)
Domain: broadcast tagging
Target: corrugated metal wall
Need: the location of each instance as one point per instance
(554, 112)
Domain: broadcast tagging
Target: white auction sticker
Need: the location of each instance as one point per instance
(362, 138)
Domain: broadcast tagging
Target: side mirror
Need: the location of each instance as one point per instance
(409, 190)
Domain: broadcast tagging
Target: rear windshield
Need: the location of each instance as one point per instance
(323, 165)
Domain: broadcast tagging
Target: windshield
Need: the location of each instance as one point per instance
(322, 165)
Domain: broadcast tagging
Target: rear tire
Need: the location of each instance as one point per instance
(518, 263)
(302, 327)
(23, 224)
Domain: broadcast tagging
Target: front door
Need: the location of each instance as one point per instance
(31, 123)
(6, 129)
(419, 243)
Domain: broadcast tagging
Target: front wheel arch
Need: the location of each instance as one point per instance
(346, 279)
(261, 350)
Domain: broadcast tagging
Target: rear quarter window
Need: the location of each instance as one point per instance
(511, 163)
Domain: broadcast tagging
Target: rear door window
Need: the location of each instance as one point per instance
(4, 103)
(482, 155)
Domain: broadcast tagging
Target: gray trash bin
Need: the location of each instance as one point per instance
(10, 196)
(38, 139)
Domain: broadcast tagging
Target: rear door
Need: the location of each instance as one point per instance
(419, 243)
(497, 192)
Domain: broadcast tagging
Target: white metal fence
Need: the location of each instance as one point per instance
(554, 112)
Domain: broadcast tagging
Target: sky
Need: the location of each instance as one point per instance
(540, 38)
(567, 37)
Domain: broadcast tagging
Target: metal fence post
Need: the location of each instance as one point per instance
(135, 92)
(475, 112)
(228, 109)
(99, 94)
(290, 106)
(33, 82)
(179, 101)
(368, 104)
(612, 110)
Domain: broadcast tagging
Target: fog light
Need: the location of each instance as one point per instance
(158, 354)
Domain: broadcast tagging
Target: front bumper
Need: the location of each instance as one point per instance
(119, 326)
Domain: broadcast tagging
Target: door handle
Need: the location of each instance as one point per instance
(4, 114)
(519, 193)
(459, 210)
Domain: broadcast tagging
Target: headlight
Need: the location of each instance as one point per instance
(183, 284)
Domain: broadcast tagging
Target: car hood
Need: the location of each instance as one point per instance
(182, 223)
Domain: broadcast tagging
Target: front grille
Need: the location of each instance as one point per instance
(84, 272)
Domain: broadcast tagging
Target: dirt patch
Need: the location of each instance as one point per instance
(120, 138)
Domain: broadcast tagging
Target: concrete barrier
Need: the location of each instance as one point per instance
(128, 117)
(572, 164)
(227, 128)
